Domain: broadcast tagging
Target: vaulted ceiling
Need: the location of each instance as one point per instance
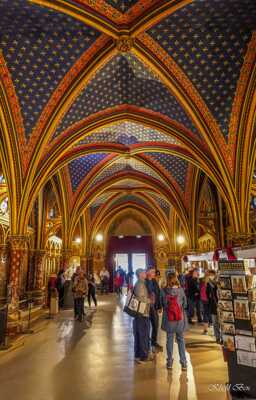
(121, 94)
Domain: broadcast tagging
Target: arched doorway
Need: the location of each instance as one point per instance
(130, 243)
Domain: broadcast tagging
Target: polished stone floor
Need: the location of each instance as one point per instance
(68, 360)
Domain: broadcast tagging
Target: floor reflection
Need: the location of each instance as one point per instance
(93, 360)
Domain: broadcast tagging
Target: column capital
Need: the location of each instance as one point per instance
(18, 242)
(241, 239)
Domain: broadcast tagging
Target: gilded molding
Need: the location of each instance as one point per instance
(124, 44)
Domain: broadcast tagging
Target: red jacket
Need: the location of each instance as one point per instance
(118, 281)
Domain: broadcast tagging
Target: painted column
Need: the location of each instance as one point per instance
(83, 263)
(65, 256)
(18, 256)
(39, 269)
(31, 269)
(90, 264)
(4, 269)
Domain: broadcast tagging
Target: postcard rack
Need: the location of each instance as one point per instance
(237, 316)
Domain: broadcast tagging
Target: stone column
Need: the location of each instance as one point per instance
(39, 269)
(18, 255)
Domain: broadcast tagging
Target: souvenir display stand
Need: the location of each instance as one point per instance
(237, 315)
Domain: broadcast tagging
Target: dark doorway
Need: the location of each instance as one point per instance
(131, 248)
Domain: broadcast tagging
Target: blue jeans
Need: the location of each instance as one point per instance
(206, 312)
(141, 328)
(192, 305)
(80, 307)
(181, 346)
(154, 321)
(216, 326)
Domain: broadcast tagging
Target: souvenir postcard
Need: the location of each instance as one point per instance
(241, 309)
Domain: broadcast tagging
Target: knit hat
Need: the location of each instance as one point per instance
(139, 271)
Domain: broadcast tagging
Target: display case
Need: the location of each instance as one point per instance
(237, 316)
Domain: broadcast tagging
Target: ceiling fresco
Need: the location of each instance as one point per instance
(208, 40)
(125, 80)
(130, 88)
(40, 46)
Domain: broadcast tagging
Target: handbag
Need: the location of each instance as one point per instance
(133, 306)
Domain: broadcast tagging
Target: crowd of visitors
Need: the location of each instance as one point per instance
(169, 302)
(178, 298)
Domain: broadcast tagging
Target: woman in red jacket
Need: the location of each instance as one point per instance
(118, 283)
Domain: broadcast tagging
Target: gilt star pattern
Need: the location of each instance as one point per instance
(125, 80)
(208, 40)
(39, 46)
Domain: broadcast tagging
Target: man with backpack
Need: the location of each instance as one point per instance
(174, 321)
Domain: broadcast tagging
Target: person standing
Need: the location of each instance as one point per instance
(129, 280)
(205, 303)
(60, 285)
(193, 293)
(80, 290)
(104, 277)
(74, 276)
(91, 290)
(155, 307)
(122, 275)
(141, 324)
(118, 283)
(159, 279)
(174, 321)
(211, 291)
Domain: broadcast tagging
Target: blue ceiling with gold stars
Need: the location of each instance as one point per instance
(163, 204)
(39, 46)
(98, 202)
(128, 133)
(175, 166)
(130, 198)
(208, 40)
(125, 80)
(127, 165)
(81, 167)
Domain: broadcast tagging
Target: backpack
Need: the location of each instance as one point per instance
(174, 309)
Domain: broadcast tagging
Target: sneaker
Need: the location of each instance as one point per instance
(169, 365)
(184, 367)
(137, 360)
(205, 332)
